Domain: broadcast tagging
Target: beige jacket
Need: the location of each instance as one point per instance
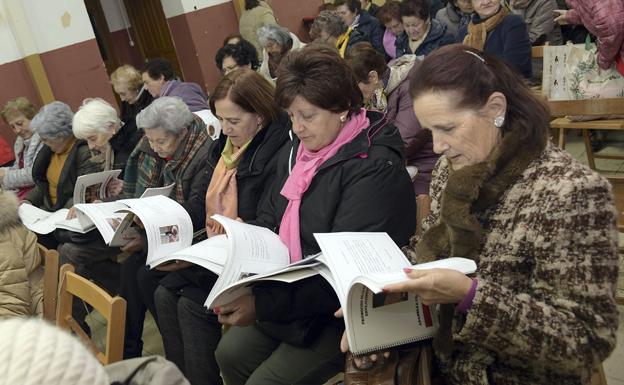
(21, 273)
(254, 18)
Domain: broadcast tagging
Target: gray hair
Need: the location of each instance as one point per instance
(167, 112)
(276, 33)
(53, 121)
(330, 22)
(95, 116)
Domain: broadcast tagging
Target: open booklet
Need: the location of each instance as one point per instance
(45, 222)
(167, 225)
(92, 187)
(358, 266)
(245, 253)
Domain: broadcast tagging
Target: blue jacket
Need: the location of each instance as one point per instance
(508, 41)
(436, 38)
(370, 28)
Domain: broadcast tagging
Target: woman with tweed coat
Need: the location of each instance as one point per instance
(540, 226)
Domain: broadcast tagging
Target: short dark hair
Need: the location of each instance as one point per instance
(391, 10)
(354, 5)
(445, 70)
(251, 4)
(158, 67)
(243, 53)
(318, 74)
(249, 90)
(363, 58)
(417, 8)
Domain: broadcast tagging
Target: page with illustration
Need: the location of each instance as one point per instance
(251, 250)
(92, 187)
(168, 226)
(103, 215)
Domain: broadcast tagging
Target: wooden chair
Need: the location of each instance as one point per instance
(589, 107)
(112, 309)
(50, 260)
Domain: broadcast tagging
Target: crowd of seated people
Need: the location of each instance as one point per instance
(340, 134)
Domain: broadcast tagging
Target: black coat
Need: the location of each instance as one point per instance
(128, 136)
(254, 177)
(371, 29)
(364, 187)
(437, 37)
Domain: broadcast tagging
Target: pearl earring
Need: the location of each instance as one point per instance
(499, 121)
(343, 118)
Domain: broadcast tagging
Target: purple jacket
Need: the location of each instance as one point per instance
(605, 19)
(190, 93)
(418, 141)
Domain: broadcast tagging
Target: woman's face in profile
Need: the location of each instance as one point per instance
(314, 126)
(464, 136)
(21, 126)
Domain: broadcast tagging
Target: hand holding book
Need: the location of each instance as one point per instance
(433, 286)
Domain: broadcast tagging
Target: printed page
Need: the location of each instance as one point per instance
(350, 255)
(167, 225)
(252, 250)
(103, 215)
(210, 254)
(40, 221)
(74, 225)
(153, 191)
(376, 281)
(295, 272)
(93, 186)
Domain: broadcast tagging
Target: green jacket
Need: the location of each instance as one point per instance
(78, 163)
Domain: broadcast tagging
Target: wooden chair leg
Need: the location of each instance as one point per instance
(562, 138)
(588, 150)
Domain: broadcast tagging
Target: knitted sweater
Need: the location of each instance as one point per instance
(544, 311)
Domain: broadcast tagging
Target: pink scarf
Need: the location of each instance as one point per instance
(301, 176)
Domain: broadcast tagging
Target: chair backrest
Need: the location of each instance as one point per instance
(611, 106)
(537, 52)
(423, 209)
(112, 309)
(50, 260)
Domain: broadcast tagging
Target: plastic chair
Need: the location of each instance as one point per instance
(113, 309)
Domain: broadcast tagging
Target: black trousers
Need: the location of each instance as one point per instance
(138, 284)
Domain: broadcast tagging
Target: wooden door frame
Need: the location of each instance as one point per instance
(100, 29)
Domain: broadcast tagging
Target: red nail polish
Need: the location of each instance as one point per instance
(217, 310)
(407, 270)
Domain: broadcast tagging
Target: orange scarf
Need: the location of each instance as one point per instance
(477, 33)
(222, 194)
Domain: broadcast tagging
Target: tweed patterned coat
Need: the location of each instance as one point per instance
(544, 311)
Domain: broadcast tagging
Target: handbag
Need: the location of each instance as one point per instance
(571, 72)
(408, 365)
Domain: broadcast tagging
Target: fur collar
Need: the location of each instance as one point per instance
(8, 210)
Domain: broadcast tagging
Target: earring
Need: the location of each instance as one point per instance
(343, 118)
(499, 121)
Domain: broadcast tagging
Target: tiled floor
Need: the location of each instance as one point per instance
(613, 366)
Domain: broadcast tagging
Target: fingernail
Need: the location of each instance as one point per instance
(386, 291)
(407, 269)
(217, 310)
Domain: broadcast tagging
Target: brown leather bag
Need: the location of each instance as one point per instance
(408, 366)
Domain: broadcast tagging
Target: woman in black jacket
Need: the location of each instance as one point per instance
(344, 172)
(242, 166)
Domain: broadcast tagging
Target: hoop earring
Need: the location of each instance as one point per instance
(499, 121)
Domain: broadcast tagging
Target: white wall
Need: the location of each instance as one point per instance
(178, 7)
(9, 51)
